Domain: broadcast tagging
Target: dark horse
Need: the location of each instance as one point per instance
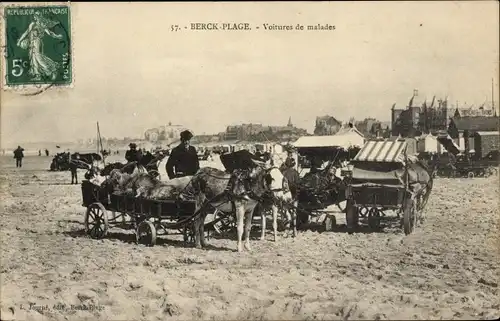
(61, 161)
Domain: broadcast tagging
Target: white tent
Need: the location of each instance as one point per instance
(345, 140)
(428, 143)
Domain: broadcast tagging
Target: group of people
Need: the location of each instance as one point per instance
(183, 159)
(19, 155)
(46, 152)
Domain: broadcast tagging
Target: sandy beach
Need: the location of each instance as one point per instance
(51, 271)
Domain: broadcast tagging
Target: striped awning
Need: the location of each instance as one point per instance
(387, 151)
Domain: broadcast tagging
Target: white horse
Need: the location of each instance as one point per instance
(247, 190)
(279, 201)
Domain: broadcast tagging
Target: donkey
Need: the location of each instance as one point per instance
(277, 199)
(240, 191)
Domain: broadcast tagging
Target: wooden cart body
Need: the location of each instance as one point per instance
(147, 216)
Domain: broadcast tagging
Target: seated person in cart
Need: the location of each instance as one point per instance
(133, 155)
(183, 160)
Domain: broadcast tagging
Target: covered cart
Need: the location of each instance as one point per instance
(385, 178)
(321, 188)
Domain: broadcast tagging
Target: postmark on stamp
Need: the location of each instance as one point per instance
(37, 47)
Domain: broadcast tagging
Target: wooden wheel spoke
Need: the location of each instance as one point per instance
(95, 211)
(91, 216)
(100, 215)
(93, 229)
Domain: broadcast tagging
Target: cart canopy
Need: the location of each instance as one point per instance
(383, 162)
(390, 173)
(241, 159)
(384, 151)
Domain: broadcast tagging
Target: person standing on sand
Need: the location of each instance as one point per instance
(183, 160)
(18, 155)
(73, 167)
(46, 152)
(293, 178)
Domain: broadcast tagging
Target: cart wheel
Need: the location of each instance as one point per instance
(96, 221)
(470, 175)
(329, 223)
(227, 223)
(374, 218)
(146, 233)
(409, 216)
(351, 215)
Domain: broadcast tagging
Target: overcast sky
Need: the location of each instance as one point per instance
(132, 73)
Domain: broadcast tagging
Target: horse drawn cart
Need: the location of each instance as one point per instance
(385, 178)
(320, 189)
(149, 218)
(474, 167)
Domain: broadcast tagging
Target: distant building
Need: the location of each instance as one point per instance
(419, 117)
(243, 131)
(483, 143)
(459, 125)
(164, 133)
(255, 131)
(480, 133)
(371, 128)
(405, 121)
(327, 125)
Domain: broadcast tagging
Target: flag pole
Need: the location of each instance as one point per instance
(100, 142)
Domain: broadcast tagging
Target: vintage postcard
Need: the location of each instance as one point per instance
(249, 160)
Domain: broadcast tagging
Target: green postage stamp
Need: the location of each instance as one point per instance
(37, 46)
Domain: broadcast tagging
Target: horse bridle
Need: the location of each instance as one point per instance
(266, 172)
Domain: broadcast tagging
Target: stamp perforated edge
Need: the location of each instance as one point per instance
(34, 89)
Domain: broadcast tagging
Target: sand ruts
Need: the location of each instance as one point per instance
(446, 269)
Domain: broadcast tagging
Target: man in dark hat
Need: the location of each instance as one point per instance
(133, 155)
(183, 159)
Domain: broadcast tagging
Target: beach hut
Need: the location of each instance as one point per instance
(428, 144)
